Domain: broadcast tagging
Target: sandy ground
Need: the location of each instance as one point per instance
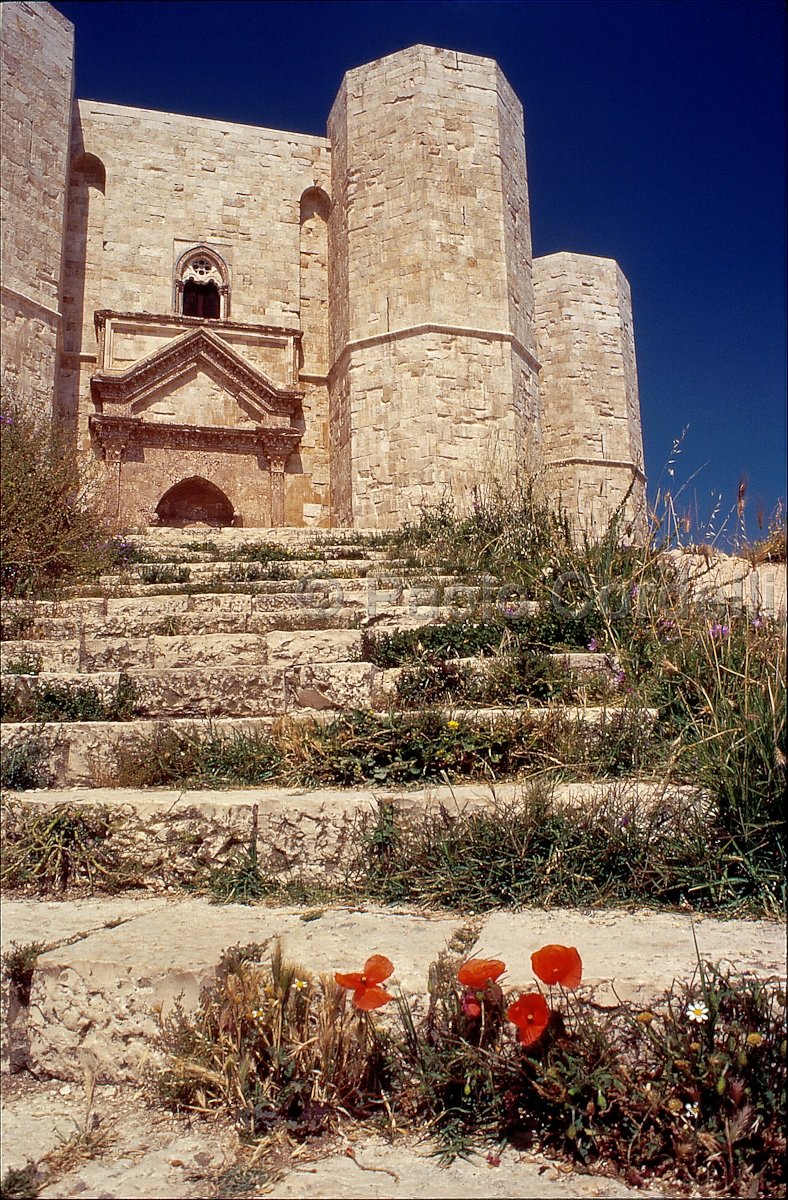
(152, 1155)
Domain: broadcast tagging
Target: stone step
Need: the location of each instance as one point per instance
(308, 831)
(243, 571)
(113, 961)
(46, 656)
(86, 655)
(180, 614)
(228, 538)
(220, 691)
(83, 753)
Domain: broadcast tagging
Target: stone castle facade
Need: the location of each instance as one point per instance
(262, 328)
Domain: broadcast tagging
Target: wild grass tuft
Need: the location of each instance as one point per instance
(277, 1047)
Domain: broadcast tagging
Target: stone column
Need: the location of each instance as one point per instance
(277, 462)
(113, 457)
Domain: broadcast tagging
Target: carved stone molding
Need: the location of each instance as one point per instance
(276, 444)
(196, 346)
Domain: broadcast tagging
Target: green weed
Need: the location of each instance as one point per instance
(52, 701)
(25, 763)
(62, 848)
(52, 530)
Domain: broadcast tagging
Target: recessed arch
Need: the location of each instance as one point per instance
(195, 500)
(89, 170)
(314, 203)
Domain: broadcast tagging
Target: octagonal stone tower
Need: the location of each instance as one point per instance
(434, 376)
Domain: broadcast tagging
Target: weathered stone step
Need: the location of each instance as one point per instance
(220, 691)
(180, 614)
(86, 655)
(243, 571)
(83, 753)
(309, 831)
(114, 960)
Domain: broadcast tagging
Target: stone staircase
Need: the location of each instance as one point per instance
(206, 639)
(225, 647)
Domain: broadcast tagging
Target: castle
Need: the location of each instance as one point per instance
(251, 327)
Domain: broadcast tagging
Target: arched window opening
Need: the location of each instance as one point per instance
(194, 501)
(201, 300)
(314, 203)
(202, 284)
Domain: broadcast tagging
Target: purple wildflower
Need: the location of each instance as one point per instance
(719, 631)
(592, 645)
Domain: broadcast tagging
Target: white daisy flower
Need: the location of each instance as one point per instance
(692, 1110)
(300, 984)
(697, 1012)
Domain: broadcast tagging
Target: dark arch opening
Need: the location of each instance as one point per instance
(201, 300)
(194, 500)
(314, 203)
(90, 170)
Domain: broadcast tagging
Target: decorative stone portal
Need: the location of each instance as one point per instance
(192, 501)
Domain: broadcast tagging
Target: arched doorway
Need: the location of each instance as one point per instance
(194, 500)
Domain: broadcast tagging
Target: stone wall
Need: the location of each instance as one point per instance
(145, 187)
(37, 90)
(430, 285)
(592, 445)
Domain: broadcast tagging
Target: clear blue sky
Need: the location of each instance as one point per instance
(656, 135)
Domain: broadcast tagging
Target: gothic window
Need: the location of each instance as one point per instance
(201, 300)
(202, 284)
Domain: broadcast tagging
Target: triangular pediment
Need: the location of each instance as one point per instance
(195, 351)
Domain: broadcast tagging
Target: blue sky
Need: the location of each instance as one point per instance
(655, 135)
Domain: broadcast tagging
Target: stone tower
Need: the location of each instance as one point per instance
(262, 328)
(433, 351)
(36, 95)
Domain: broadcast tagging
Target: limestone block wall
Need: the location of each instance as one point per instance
(429, 248)
(37, 90)
(591, 437)
(145, 187)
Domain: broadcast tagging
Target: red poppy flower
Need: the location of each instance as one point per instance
(478, 972)
(366, 993)
(558, 964)
(530, 1014)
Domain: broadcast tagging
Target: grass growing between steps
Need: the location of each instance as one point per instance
(691, 1093)
(534, 851)
(537, 852)
(369, 748)
(51, 701)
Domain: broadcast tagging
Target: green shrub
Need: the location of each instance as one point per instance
(25, 763)
(50, 530)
